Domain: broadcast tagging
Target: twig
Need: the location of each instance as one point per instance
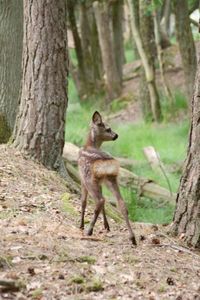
(176, 247)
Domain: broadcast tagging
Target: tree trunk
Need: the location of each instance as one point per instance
(39, 130)
(136, 11)
(112, 79)
(117, 25)
(86, 46)
(96, 53)
(187, 213)
(186, 43)
(11, 25)
(145, 45)
(166, 88)
(81, 77)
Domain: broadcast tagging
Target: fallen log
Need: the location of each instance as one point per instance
(144, 186)
(70, 152)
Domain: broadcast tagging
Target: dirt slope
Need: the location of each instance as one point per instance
(43, 251)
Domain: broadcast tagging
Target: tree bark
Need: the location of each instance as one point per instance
(11, 33)
(39, 130)
(117, 25)
(186, 43)
(187, 213)
(112, 78)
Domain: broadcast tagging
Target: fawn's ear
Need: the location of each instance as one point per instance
(96, 118)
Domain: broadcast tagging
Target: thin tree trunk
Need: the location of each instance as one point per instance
(39, 130)
(112, 78)
(81, 78)
(86, 46)
(136, 12)
(186, 43)
(165, 22)
(148, 68)
(96, 53)
(187, 214)
(161, 59)
(11, 34)
(117, 25)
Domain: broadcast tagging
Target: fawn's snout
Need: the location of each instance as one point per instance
(115, 137)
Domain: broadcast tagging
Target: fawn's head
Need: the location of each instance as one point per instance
(101, 132)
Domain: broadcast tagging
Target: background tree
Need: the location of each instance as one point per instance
(40, 124)
(186, 43)
(11, 24)
(112, 77)
(118, 38)
(144, 41)
(187, 213)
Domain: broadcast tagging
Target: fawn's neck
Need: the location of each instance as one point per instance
(92, 141)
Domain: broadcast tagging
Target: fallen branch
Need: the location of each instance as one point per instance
(128, 179)
(10, 286)
(177, 247)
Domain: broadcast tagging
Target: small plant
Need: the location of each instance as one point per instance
(77, 279)
(95, 285)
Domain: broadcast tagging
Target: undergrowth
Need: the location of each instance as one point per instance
(168, 138)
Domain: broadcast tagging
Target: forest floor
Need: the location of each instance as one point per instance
(44, 255)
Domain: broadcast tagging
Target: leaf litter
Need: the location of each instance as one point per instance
(44, 255)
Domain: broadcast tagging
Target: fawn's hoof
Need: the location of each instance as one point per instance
(90, 231)
(107, 227)
(133, 240)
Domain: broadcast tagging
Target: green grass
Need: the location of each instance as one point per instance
(168, 138)
(129, 52)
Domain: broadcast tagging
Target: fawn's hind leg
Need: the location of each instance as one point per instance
(114, 188)
(84, 194)
(105, 221)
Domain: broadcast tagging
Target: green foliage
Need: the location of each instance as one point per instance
(168, 138)
(129, 52)
(171, 111)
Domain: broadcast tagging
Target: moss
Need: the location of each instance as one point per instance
(94, 286)
(161, 289)
(88, 259)
(77, 279)
(5, 262)
(37, 293)
(67, 206)
(5, 131)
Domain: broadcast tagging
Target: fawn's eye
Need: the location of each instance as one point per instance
(108, 130)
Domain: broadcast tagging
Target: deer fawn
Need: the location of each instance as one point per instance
(96, 167)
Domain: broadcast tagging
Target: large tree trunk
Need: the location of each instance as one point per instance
(112, 78)
(117, 25)
(187, 214)
(40, 124)
(186, 43)
(11, 33)
(144, 40)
